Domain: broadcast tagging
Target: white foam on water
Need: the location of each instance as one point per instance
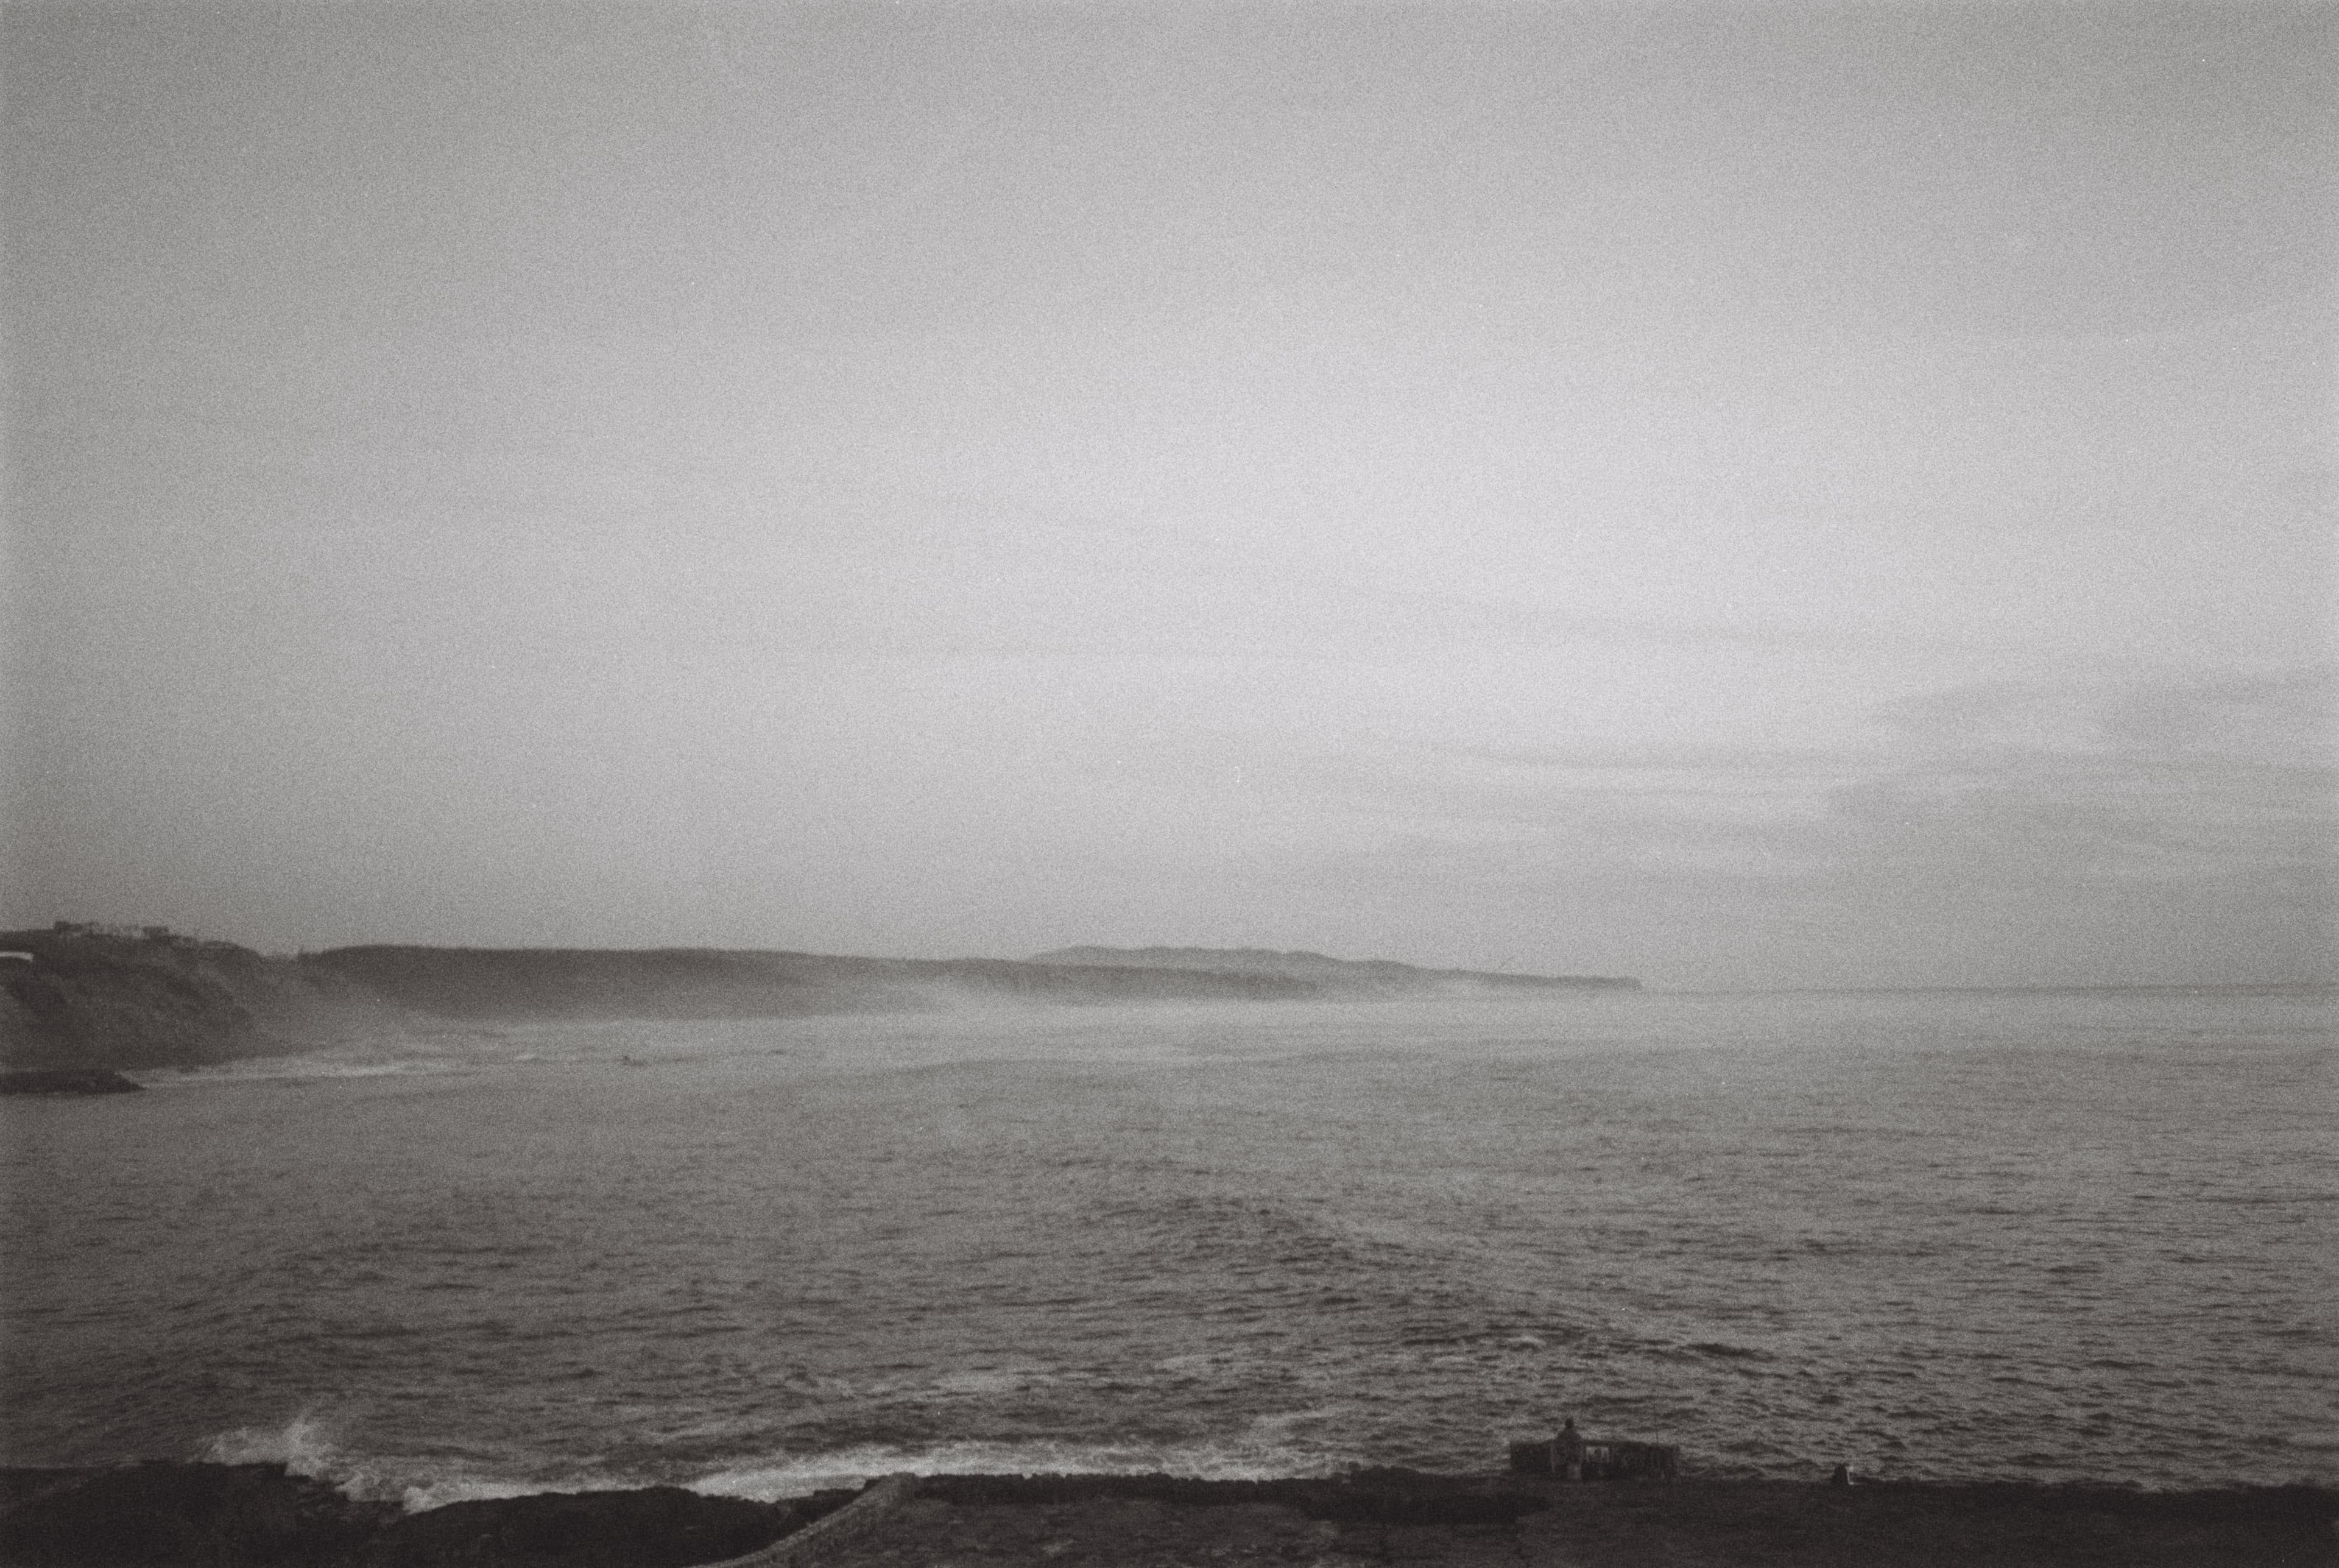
(418, 1484)
(991, 1382)
(279, 1068)
(300, 1445)
(305, 1447)
(1261, 1454)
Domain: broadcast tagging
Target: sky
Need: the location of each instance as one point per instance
(1762, 495)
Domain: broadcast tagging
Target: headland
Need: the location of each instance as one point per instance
(1361, 976)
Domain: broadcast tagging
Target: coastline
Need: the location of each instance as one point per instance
(226, 1516)
(82, 996)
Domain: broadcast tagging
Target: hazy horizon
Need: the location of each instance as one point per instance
(1780, 496)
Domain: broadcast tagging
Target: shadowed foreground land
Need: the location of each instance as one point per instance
(1680, 1524)
(226, 1516)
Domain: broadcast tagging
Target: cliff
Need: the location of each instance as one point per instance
(83, 996)
(1373, 974)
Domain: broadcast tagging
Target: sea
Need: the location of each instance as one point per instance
(2050, 1236)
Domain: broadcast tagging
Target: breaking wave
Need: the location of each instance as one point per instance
(1259, 1457)
(300, 1445)
(304, 1447)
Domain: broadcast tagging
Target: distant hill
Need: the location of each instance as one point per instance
(1360, 974)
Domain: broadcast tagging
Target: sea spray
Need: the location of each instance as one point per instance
(300, 1445)
(305, 1445)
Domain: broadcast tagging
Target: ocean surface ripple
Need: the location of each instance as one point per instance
(2047, 1236)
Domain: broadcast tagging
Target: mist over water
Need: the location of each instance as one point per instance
(1938, 1235)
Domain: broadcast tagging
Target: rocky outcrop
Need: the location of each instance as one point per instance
(835, 1535)
(260, 1515)
(1376, 1496)
(181, 1513)
(648, 1527)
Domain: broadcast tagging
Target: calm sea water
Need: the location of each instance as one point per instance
(1931, 1235)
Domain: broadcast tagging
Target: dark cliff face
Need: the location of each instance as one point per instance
(102, 999)
(93, 999)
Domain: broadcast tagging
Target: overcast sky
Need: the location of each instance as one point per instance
(1770, 495)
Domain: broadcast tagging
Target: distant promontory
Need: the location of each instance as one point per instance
(1370, 974)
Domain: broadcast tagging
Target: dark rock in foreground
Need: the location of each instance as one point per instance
(66, 1081)
(231, 1517)
(1381, 1496)
(180, 1513)
(655, 1527)
(1460, 1522)
(257, 1515)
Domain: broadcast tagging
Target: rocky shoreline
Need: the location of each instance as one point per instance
(229, 1517)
